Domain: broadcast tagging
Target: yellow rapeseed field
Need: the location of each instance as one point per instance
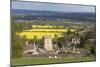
(49, 31)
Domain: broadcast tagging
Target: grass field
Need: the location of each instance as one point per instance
(45, 60)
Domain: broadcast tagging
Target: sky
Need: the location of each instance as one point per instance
(51, 7)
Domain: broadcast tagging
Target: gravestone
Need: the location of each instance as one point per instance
(35, 47)
(26, 43)
(48, 43)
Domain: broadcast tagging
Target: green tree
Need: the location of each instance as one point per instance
(17, 42)
(55, 41)
(93, 50)
(17, 46)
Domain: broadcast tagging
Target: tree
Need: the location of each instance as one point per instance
(61, 42)
(17, 42)
(55, 40)
(68, 32)
(17, 46)
(93, 50)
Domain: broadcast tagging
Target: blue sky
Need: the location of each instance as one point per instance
(51, 7)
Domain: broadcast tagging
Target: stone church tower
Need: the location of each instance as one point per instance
(48, 43)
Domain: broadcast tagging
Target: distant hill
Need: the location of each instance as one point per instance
(43, 15)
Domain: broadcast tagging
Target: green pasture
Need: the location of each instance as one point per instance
(46, 60)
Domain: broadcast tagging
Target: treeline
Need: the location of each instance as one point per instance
(17, 42)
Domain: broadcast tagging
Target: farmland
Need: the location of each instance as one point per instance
(41, 31)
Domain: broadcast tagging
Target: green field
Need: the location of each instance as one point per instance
(45, 60)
